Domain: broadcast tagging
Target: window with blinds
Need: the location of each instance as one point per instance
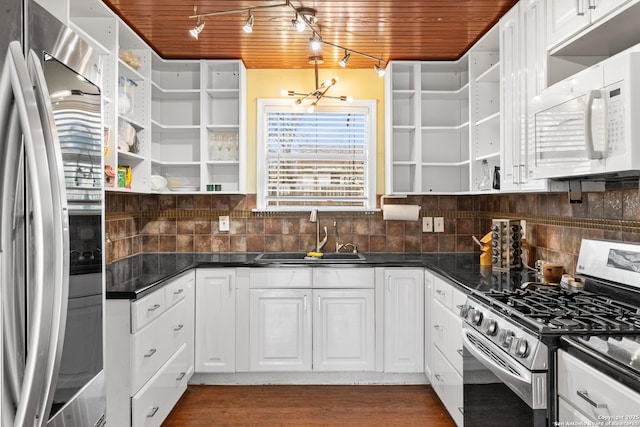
(319, 159)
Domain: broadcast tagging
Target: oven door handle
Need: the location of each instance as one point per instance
(523, 377)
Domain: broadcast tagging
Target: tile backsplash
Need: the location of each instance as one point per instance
(138, 223)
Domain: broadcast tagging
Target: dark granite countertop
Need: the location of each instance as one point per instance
(136, 276)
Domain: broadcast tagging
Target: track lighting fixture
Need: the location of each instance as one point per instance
(345, 59)
(195, 31)
(248, 26)
(305, 17)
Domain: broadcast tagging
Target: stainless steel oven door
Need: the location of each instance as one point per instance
(498, 391)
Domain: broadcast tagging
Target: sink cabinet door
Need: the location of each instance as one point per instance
(215, 320)
(343, 330)
(280, 330)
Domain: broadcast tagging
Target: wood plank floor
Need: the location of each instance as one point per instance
(283, 405)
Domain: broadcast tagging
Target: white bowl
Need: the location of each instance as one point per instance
(158, 182)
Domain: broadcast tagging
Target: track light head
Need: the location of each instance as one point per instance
(299, 23)
(381, 71)
(248, 26)
(195, 31)
(345, 59)
(315, 43)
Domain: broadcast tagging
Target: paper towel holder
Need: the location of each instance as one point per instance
(409, 213)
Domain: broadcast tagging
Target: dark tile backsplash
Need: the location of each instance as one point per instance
(189, 223)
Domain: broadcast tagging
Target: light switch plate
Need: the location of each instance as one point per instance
(438, 224)
(223, 223)
(427, 224)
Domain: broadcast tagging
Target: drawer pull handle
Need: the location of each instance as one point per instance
(153, 412)
(178, 292)
(181, 376)
(583, 394)
(151, 352)
(440, 292)
(437, 327)
(461, 409)
(154, 307)
(438, 377)
(177, 328)
(460, 351)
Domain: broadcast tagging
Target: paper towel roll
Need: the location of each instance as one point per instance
(401, 212)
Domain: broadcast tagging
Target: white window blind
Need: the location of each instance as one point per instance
(324, 158)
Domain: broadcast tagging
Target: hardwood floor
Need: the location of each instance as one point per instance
(283, 405)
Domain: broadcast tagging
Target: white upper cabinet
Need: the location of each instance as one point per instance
(523, 76)
(427, 125)
(566, 18)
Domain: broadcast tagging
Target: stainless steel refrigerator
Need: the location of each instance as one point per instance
(51, 231)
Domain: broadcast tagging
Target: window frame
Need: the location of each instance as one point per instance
(325, 105)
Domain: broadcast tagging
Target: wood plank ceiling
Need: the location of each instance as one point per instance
(385, 29)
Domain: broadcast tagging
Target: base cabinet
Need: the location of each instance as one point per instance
(403, 320)
(215, 331)
(149, 359)
(280, 330)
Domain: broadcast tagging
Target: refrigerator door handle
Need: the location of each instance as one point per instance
(32, 409)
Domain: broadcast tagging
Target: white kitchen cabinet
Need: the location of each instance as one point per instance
(484, 111)
(224, 131)
(343, 330)
(403, 320)
(280, 330)
(591, 393)
(567, 18)
(428, 321)
(175, 123)
(149, 359)
(523, 76)
(215, 330)
(448, 384)
(447, 348)
(427, 124)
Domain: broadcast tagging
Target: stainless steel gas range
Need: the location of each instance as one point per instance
(511, 336)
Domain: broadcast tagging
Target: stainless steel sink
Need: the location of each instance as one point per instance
(301, 258)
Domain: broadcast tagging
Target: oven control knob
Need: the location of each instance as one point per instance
(475, 316)
(520, 348)
(504, 338)
(490, 327)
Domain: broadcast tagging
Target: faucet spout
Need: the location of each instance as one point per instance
(313, 218)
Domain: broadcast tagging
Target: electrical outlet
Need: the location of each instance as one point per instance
(223, 223)
(427, 224)
(438, 224)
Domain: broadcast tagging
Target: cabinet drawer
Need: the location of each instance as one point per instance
(447, 335)
(459, 299)
(567, 413)
(448, 385)
(585, 387)
(178, 288)
(146, 309)
(152, 346)
(280, 277)
(343, 278)
(155, 400)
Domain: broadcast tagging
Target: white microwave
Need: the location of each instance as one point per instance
(588, 125)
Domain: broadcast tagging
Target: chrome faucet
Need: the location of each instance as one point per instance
(314, 219)
(340, 246)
